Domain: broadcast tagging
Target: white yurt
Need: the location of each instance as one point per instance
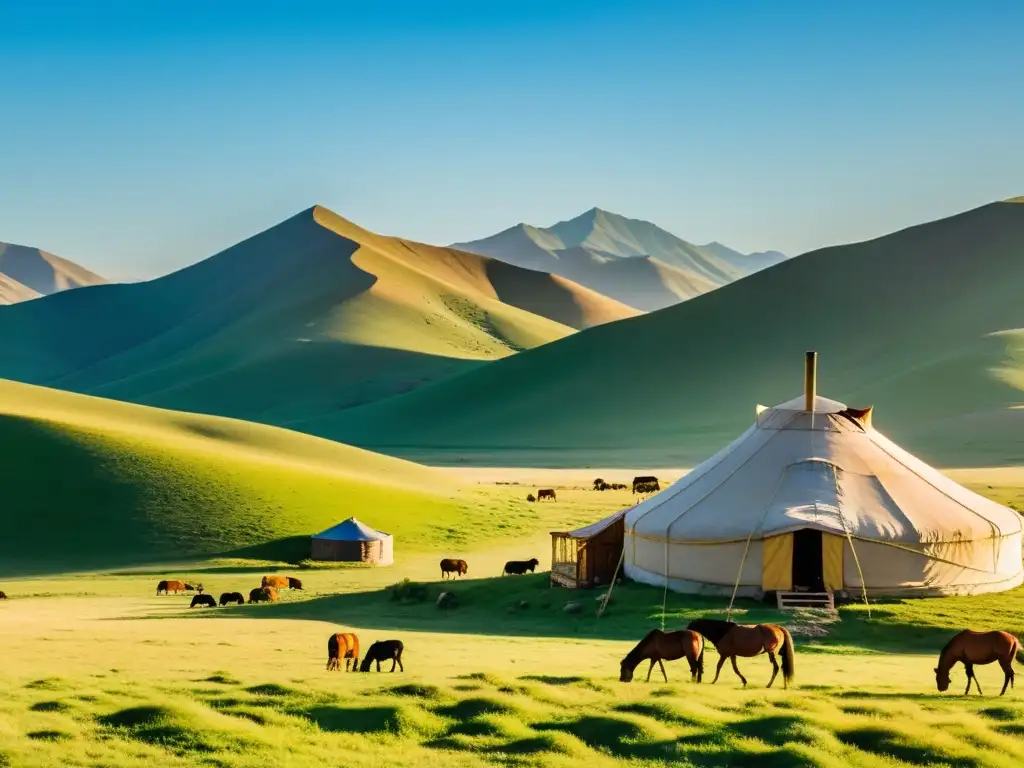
(812, 498)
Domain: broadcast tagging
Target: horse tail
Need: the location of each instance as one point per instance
(700, 659)
(788, 657)
(1018, 651)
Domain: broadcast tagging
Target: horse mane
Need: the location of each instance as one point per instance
(946, 648)
(713, 629)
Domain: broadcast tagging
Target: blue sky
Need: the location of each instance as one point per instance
(137, 138)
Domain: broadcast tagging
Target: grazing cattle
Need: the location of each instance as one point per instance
(232, 597)
(3, 595)
(175, 586)
(546, 493)
(645, 484)
(343, 645)
(519, 567)
(294, 583)
(277, 582)
(531, 498)
(970, 648)
(206, 600)
(383, 650)
(263, 595)
(453, 566)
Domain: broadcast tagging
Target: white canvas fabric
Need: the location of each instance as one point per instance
(911, 528)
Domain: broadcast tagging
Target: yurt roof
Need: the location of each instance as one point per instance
(589, 531)
(351, 530)
(826, 469)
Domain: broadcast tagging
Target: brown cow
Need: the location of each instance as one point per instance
(343, 645)
(546, 493)
(263, 595)
(453, 566)
(175, 586)
(277, 582)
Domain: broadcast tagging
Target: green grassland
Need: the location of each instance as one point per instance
(98, 671)
(923, 324)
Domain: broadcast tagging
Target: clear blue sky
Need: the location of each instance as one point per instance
(139, 137)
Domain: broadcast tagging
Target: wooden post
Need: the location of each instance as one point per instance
(810, 380)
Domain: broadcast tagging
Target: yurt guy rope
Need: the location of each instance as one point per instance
(746, 548)
(608, 595)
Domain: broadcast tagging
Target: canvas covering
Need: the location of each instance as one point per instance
(912, 528)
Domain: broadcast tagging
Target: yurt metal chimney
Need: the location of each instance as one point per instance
(810, 380)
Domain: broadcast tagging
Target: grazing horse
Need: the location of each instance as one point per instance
(206, 600)
(232, 597)
(277, 582)
(263, 595)
(519, 567)
(731, 640)
(383, 650)
(453, 566)
(343, 645)
(546, 493)
(972, 648)
(668, 646)
(174, 586)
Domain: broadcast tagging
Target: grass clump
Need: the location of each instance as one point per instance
(407, 591)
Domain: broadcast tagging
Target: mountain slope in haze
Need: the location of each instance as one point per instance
(27, 273)
(926, 324)
(312, 315)
(92, 483)
(631, 260)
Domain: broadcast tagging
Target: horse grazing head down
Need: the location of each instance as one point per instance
(626, 671)
(942, 680)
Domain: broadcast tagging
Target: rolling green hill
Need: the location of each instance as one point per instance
(632, 260)
(91, 483)
(925, 324)
(310, 316)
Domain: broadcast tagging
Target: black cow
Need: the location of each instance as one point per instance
(519, 567)
(206, 600)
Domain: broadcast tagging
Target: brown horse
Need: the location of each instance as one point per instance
(449, 565)
(343, 645)
(668, 646)
(972, 648)
(731, 640)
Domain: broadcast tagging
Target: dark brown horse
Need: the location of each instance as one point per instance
(343, 645)
(667, 646)
(383, 650)
(970, 648)
(731, 640)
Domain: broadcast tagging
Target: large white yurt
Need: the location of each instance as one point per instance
(812, 498)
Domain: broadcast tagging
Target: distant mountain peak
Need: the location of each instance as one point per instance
(31, 272)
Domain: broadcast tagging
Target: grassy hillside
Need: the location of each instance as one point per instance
(924, 324)
(30, 272)
(631, 260)
(95, 483)
(313, 315)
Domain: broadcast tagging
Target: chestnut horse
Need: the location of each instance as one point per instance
(658, 645)
(342, 645)
(972, 648)
(731, 640)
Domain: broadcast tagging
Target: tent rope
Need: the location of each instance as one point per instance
(664, 595)
(608, 595)
(746, 548)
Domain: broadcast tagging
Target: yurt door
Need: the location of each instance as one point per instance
(808, 572)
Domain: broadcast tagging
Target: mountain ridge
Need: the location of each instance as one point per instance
(584, 248)
(28, 273)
